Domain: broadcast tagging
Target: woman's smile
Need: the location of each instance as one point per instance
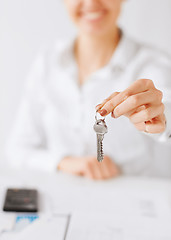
(93, 15)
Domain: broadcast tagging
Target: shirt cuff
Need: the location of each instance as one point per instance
(45, 160)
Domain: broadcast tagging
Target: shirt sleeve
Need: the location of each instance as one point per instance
(28, 146)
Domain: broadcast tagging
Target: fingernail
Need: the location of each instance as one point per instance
(97, 107)
(113, 115)
(103, 112)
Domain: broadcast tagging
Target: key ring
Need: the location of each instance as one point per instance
(103, 119)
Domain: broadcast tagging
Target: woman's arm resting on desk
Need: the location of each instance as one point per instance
(141, 103)
(89, 167)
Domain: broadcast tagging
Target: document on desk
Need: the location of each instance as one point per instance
(52, 228)
(7, 221)
(96, 226)
(146, 216)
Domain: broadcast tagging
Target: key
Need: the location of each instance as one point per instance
(100, 128)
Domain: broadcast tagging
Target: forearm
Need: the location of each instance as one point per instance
(38, 159)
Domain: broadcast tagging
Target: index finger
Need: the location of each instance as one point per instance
(138, 86)
(99, 106)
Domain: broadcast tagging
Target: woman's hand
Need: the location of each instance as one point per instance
(89, 167)
(141, 103)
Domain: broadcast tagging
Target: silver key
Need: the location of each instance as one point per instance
(100, 128)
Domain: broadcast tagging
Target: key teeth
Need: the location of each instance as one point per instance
(100, 153)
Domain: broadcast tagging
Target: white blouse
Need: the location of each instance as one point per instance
(56, 116)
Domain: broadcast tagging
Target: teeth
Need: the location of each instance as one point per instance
(93, 16)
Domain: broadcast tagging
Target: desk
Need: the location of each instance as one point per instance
(61, 193)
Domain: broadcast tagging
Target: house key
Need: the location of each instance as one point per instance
(100, 128)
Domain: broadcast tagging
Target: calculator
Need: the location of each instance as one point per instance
(21, 200)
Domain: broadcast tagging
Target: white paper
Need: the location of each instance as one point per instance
(95, 226)
(52, 228)
(140, 216)
(109, 199)
(7, 221)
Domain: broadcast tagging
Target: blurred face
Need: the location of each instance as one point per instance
(95, 17)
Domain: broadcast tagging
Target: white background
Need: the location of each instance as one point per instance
(25, 25)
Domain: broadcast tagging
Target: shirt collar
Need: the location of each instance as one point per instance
(65, 55)
(123, 53)
(121, 57)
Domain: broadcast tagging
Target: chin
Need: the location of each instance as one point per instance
(94, 31)
(97, 27)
